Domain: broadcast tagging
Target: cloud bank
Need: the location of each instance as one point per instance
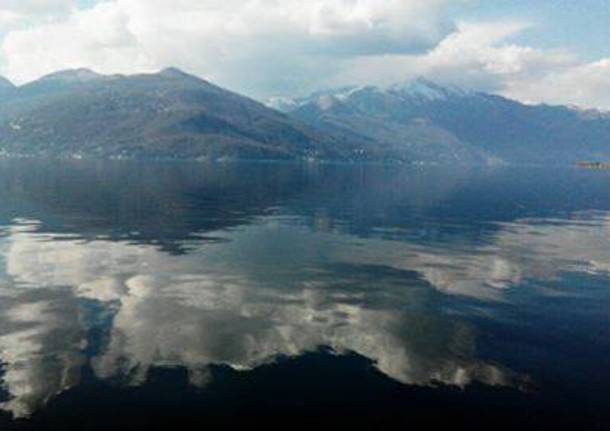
(267, 47)
(258, 46)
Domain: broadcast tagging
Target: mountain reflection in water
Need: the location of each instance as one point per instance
(113, 271)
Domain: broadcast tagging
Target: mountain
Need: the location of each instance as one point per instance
(6, 88)
(172, 114)
(73, 75)
(169, 114)
(372, 116)
(442, 124)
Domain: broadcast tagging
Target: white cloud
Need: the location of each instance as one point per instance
(291, 47)
(97, 38)
(256, 46)
(8, 18)
(586, 84)
(14, 13)
(480, 56)
(477, 55)
(36, 7)
(474, 56)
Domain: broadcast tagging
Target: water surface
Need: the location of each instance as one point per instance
(143, 295)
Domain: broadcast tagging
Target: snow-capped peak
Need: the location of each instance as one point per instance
(426, 90)
(418, 89)
(283, 104)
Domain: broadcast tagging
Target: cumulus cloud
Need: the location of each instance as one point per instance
(479, 56)
(19, 12)
(33, 8)
(270, 48)
(257, 46)
(8, 18)
(586, 84)
(474, 56)
(98, 38)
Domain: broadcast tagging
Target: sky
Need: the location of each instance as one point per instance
(535, 51)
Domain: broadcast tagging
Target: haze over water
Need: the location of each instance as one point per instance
(322, 292)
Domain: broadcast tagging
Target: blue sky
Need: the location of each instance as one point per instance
(580, 25)
(537, 51)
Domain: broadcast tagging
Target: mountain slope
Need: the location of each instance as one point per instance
(373, 116)
(172, 114)
(432, 120)
(6, 88)
(169, 114)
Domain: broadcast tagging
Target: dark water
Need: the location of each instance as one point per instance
(175, 296)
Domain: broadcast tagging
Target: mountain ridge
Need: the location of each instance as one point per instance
(169, 114)
(4, 82)
(501, 129)
(177, 115)
(6, 87)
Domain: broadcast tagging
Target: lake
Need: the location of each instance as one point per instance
(169, 295)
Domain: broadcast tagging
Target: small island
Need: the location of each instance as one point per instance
(594, 165)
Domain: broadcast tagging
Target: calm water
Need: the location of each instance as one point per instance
(160, 295)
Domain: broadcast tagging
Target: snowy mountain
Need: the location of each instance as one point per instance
(436, 123)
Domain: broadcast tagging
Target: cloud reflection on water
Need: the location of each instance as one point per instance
(274, 288)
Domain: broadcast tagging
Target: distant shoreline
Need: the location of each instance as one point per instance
(594, 165)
